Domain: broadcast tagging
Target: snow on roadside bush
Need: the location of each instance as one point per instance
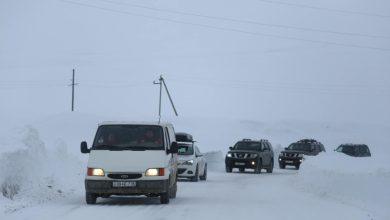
(30, 173)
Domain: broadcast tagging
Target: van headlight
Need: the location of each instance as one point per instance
(95, 172)
(155, 172)
(188, 162)
(252, 155)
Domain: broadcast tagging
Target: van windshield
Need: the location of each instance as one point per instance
(129, 137)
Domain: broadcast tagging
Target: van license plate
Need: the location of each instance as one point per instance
(123, 184)
(239, 164)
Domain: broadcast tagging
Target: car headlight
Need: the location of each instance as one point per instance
(252, 155)
(188, 162)
(155, 172)
(300, 155)
(95, 172)
(229, 155)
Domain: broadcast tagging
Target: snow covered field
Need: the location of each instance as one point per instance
(42, 176)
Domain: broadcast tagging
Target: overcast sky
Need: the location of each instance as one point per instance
(324, 60)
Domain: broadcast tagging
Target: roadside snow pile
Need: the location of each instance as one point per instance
(31, 174)
(358, 181)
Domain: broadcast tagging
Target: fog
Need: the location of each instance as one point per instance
(220, 59)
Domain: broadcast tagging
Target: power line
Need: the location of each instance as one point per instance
(229, 29)
(248, 21)
(325, 9)
(283, 88)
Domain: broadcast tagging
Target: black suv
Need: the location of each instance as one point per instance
(293, 154)
(250, 154)
(354, 150)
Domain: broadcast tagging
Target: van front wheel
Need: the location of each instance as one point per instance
(164, 198)
(173, 191)
(90, 198)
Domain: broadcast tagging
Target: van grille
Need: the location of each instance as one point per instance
(124, 175)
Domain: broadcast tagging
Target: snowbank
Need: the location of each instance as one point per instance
(361, 182)
(31, 174)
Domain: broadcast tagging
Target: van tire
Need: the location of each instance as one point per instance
(173, 191)
(90, 198)
(164, 197)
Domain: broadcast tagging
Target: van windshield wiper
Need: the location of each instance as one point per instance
(121, 148)
(107, 147)
(135, 148)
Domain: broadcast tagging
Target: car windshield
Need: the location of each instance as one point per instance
(129, 137)
(300, 147)
(248, 145)
(185, 149)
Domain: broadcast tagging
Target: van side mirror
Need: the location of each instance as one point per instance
(84, 148)
(173, 149)
(231, 148)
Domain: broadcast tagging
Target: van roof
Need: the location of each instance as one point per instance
(135, 123)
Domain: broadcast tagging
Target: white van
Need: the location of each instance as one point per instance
(132, 159)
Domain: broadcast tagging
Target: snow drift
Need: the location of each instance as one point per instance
(359, 181)
(31, 173)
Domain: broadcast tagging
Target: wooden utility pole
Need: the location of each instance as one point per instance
(162, 83)
(73, 84)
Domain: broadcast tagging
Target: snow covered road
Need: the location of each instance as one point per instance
(222, 196)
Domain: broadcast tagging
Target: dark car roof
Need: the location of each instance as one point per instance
(355, 150)
(184, 137)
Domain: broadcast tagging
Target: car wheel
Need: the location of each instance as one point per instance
(195, 178)
(270, 169)
(297, 166)
(90, 198)
(204, 176)
(228, 169)
(259, 166)
(282, 165)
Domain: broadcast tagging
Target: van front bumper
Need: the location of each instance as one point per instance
(142, 187)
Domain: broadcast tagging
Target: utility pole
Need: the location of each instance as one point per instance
(73, 84)
(162, 83)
